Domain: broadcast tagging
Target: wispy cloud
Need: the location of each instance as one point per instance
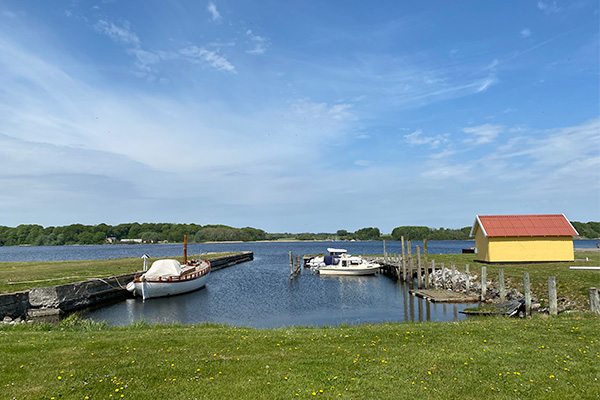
(547, 7)
(120, 34)
(482, 134)
(417, 138)
(201, 55)
(525, 33)
(214, 13)
(259, 43)
(9, 14)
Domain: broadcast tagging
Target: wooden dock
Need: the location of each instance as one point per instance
(444, 296)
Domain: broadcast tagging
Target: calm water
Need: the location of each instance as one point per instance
(259, 293)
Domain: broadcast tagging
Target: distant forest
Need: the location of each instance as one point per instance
(37, 235)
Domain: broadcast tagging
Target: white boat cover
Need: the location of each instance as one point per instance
(163, 269)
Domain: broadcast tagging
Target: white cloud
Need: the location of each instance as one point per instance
(212, 58)
(525, 33)
(482, 134)
(9, 14)
(214, 13)
(417, 138)
(548, 8)
(119, 34)
(363, 163)
(259, 43)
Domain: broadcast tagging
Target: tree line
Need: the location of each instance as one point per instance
(37, 235)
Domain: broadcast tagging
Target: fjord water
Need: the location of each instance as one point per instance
(259, 293)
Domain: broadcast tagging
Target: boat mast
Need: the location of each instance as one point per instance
(185, 249)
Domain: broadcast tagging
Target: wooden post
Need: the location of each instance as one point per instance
(594, 300)
(501, 285)
(552, 302)
(384, 252)
(425, 252)
(403, 260)
(527, 289)
(467, 281)
(410, 260)
(432, 279)
(483, 282)
(427, 277)
(453, 276)
(419, 272)
(443, 276)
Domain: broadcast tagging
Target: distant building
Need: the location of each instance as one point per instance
(111, 240)
(131, 241)
(523, 238)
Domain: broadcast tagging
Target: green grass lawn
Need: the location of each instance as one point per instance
(538, 358)
(17, 276)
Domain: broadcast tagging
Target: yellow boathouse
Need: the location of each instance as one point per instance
(523, 238)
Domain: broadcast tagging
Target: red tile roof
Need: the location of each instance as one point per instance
(525, 225)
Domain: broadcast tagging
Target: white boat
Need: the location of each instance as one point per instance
(338, 262)
(169, 277)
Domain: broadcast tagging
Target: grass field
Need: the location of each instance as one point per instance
(538, 358)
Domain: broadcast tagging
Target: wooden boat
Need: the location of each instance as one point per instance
(169, 277)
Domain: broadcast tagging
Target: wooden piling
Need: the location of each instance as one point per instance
(552, 301)
(594, 300)
(427, 277)
(527, 290)
(483, 283)
(467, 281)
(403, 260)
(443, 276)
(501, 285)
(410, 260)
(419, 272)
(425, 252)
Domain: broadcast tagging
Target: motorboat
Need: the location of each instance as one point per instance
(339, 262)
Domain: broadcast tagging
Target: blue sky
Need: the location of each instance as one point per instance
(298, 116)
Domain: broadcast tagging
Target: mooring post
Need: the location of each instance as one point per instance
(483, 282)
(384, 252)
(432, 275)
(403, 260)
(425, 252)
(443, 276)
(427, 276)
(527, 290)
(453, 276)
(410, 260)
(501, 285)
(467, 281)
(419, 272)
(594, 300)
(552, 301)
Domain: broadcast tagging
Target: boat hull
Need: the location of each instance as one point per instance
(348, 271)
(151, 289)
